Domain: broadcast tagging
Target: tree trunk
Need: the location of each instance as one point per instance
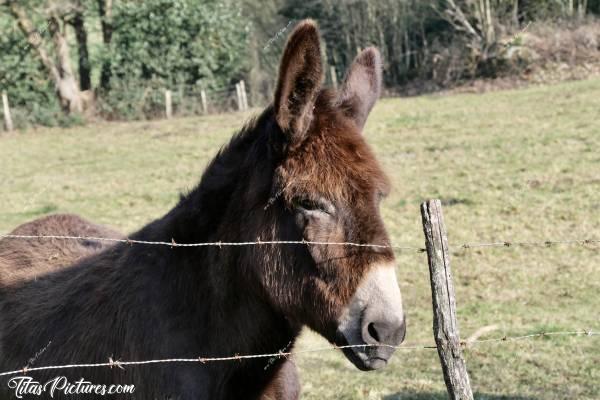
(582, 8)
(488, 22)
(570, 8)
(105, 9)
(78, 24)
(60, 72)
(67, 85)
(457, 19)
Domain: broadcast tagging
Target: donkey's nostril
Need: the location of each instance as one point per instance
(384, 332)
(373, 332)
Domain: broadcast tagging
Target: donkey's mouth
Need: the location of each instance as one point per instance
(363, 361)
(365, 357)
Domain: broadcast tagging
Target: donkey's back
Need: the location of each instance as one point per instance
(26, 259)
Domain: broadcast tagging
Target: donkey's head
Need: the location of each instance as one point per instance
(325, 185)
(320, 182)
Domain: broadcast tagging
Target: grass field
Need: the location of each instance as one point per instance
(514, 165)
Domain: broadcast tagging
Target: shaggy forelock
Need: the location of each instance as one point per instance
(334, 159)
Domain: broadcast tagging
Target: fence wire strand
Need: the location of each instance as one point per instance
(285, 354)
(546, 243)
(172, 243)
(215, 244)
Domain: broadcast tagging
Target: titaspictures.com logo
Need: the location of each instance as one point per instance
(27, 386)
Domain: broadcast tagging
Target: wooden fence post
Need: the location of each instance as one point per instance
(333, 77)
(244, 97)
(203, 98)
(445, 325)
(8, 125)
(238, 92)
(168, 104)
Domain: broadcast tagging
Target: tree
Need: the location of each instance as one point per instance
(77, 21)
(57, 65)
(177, 44)
(267, 35)
(105, 12)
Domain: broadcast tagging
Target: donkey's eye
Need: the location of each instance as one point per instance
(306, 204)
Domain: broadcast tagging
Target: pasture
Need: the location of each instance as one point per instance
(513, 165)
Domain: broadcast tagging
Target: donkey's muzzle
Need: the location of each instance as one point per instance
(383, 337)
(373, 324)
(380, 340)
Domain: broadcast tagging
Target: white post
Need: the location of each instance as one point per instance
(168, 104)
(244, 97)
(8, 125)
(333, 77)
(238, 92)
(203, 98)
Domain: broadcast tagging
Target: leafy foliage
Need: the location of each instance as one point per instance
(30, 93)
(189, 45)
(161, 44)
(439, 42)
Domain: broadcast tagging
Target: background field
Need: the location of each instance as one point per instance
(513, 165)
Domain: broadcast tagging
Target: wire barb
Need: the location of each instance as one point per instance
(112, 363)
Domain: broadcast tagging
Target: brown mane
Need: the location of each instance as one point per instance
(337, 144)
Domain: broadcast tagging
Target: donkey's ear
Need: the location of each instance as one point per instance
(300, 77)
(362, 86)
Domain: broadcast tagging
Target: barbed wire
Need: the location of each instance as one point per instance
(285, 354)
(545, 243)
(258, 242)
(172, 243)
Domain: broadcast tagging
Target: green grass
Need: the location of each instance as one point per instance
(514, 165)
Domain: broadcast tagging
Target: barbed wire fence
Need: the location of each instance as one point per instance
(441, 315)
(591, 243)
(111, 363)
(153, 102)
(156, 101)
(189, 100)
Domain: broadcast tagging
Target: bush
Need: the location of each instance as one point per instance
(161, 44)
(31, 95)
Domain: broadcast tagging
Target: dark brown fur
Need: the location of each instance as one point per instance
(22, 260)
(136, 302)
(27, 259)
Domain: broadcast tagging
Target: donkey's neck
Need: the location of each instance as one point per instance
(201, 212)
(210, 286)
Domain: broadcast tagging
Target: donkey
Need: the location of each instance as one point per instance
(26, 260)
(29, 259)
(300, 171)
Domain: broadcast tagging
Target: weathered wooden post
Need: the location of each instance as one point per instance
(8, 124)
(238, 92)
(204, 104)
(244, 97)
(168, 104)
(445, 325)
(333, 77)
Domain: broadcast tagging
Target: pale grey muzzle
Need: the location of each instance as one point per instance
(374, 316)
